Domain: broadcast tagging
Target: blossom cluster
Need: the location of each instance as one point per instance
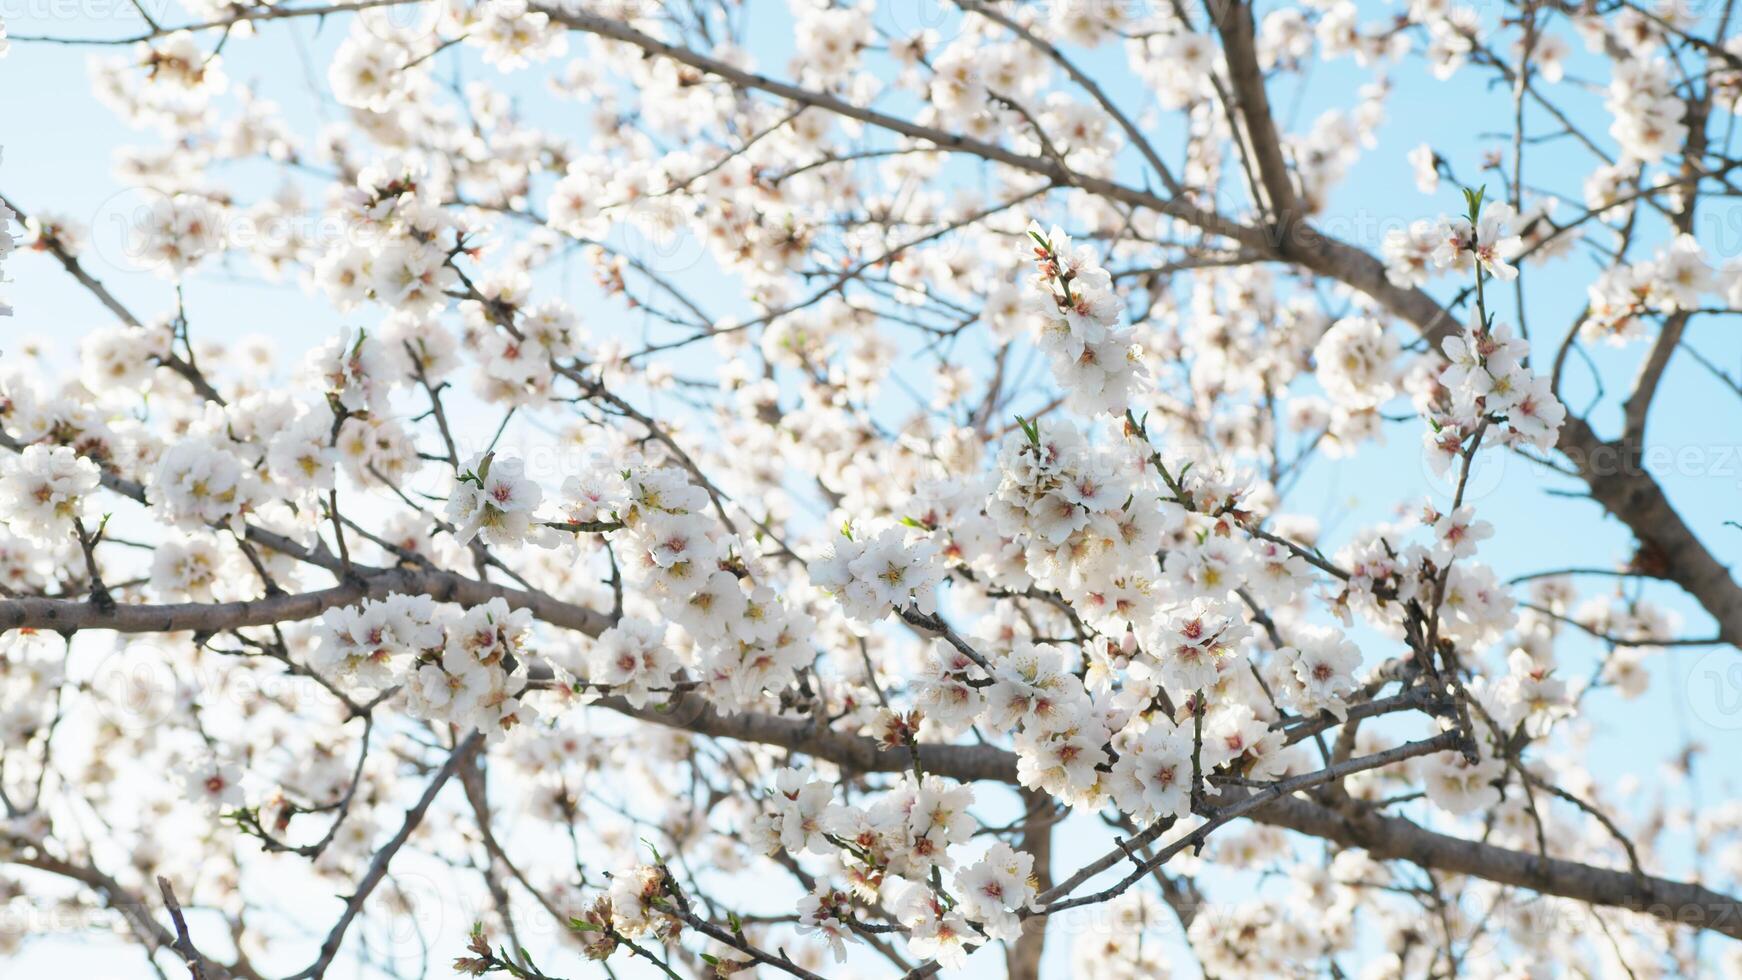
(1489, 377)
(744, 639)
(1092, 354)
(880, 573)
(466, 667)
(1084, 516)
(44, 490)
(891, 851)
(1415, 254)
(1678, 278)
(951, 497)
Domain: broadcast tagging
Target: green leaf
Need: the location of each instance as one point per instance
(1473, 200)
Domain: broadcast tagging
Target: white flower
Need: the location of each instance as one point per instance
(933, 933)
(1647, 114)
(367, 73)
(940, 812)
(1033, 689)
(359, 643)
(121, 360)
(1323, 664)
(1530, 694)
(177, 233)
(1424, 162)
(1456, 533)
(631, 659)
(1193, 645)
(1409, 253)
(214, 782)
(1235, 732)
(44, 489)
(942, 691)
(412, 276)
(826, 913)
(1536, 414)
(1356, 362)
(1487, 377)
(346, 275)
(1489, 243)
(301, 456)
(493, 498)
(595, 495)
(1065, 764)
(872, 576)
(1625, 670)
(1153, 777)
(1679, 276)
(353, 371)
(994, 889)
(1456, 786)
(187, 570)
(573, 207)
(1093, 357)
(632, 896)
(799, 804)
(199, 483)
(491, 633)
(710, 611)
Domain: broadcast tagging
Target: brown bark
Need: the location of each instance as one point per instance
(1022, 958)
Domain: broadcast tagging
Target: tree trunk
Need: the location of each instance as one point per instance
(1022, 958)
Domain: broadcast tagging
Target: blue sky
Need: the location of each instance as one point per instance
(58, 157)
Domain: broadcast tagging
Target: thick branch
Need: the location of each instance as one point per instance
(1618, 480)
(1179, 208)
(1233, 20)
(1384, 837)
(856, 753)
(70, 615)
(1396, 838)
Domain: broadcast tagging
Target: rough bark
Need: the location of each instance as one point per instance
(1022, 958)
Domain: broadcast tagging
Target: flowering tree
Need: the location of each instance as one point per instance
(920, 569)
